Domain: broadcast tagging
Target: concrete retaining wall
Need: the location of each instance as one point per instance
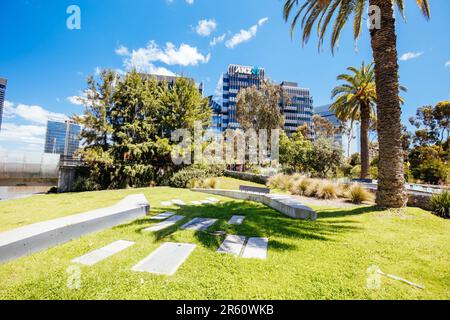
(282, 203)
(40, 236)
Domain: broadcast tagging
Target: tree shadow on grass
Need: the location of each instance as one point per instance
(333, 213)
(260, 221)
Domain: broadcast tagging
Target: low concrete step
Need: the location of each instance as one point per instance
(43, 235)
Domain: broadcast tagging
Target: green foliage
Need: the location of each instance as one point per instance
(126, 125)
(433, 171)
(184, 177)
(83, 184)
(429, 164)
(440, 204)
(258, 108)
(326, 157)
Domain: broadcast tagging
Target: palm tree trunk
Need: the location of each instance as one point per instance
(391, 182)
(365, 123)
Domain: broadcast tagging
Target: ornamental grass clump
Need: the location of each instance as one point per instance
(327, 190)
(440, 204)
(358, 194)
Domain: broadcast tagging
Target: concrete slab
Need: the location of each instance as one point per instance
(205, 202)
(236, 220)
(178, 202)
(197, 203)
(200, 224)
(162, 216)
(166, 203)
(213, 200)
(43, 235)
(165, 224)
(101, 254)
(232, 245)
(166, 259)
(256, 248)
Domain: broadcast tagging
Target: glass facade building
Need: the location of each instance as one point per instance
(3, 83)
(238, 77)
(299, 110)
(62, 137)
(224, 106)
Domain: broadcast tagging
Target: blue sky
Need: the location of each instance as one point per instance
(46, 63)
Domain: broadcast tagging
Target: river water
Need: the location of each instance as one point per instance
(7, 193)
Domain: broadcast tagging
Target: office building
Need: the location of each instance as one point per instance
(223, 103)
(3, 83)
(62, 137)
(237, 78)
(299, 110)
(350, 142)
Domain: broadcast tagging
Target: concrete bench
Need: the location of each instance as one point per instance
(285, 204)
(254, 189)
(43, 235)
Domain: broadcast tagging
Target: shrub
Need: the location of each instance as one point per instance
(358, 194)
(440, 204)
(432, 171)
(184, 177)
(83, 184)
(327, 190)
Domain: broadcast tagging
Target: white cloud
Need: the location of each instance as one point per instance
(262, 21)
(205, 27)
(410, 55)
(122, 51)
(447, 64)
(245, 35)
(217, 40)
(34, 114)
(28, 134)
(190, 2)
(76, 100)
(143, 59)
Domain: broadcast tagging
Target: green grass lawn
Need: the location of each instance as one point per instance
(325, 259)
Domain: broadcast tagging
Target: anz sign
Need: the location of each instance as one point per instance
(251, 71)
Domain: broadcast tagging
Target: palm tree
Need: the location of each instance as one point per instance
(391, 184)
(355, 101)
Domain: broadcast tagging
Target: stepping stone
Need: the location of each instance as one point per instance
(205, 202)
(232, 245)
(166, 259)
(162, 216)
(256, 248)
(196, 203)
(101, 254)
(200, 224)
(236, 220)
(213, 200)
(165, 224)
(166, 203)
(178, 202)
